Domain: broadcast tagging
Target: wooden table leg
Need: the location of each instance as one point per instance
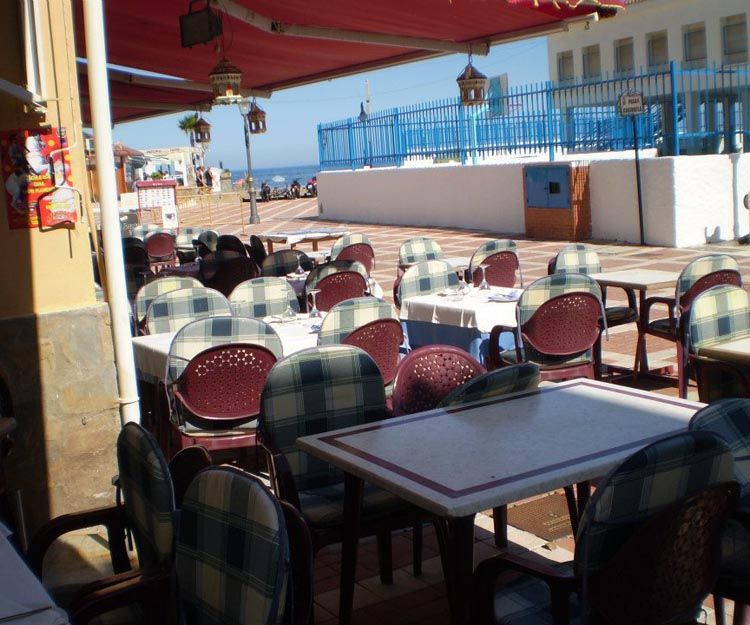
(457, 551)
(352, 512)
(315, 245)
(269, 245)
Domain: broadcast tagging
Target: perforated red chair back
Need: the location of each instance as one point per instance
(381, 340)
(564, 325)
(337, 287)
(160, 247)
(362, 252)
(501, 271)
(428, 374)
(231, 272)
(221, 386)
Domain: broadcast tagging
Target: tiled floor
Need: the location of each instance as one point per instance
(410, 600)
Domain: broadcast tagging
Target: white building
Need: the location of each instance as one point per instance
(178, 163)
(650, 33)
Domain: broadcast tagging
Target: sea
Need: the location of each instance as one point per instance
(279, 176)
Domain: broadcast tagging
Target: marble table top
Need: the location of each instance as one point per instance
(737, 351)
(474, 310)
(641, 279)
(459, 461)
(298, 236)
(151, 351)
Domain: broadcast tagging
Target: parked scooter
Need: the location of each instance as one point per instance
(312, 186)
(295, 189)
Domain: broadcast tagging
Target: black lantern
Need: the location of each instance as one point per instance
(473, 85)
(225, 82)
(256, 119)
(202, 132)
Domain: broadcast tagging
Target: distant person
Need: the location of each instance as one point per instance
(199, 176)
(208, 179)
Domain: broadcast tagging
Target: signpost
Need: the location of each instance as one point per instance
(630, 104)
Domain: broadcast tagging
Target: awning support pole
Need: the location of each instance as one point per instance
(101, 121)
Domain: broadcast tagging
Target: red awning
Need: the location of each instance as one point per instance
(145, 35)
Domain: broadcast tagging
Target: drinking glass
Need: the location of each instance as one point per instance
(484, 285)
(299, 271)
(314, 312)
(463, 286)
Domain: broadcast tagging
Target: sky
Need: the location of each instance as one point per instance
(292, 115)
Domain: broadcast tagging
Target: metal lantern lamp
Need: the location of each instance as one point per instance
(225, 82)
(256, 119)
(202, 132)
(473, 85)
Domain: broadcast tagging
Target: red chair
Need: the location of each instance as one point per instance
(381, 340)
(161, 250)
(428, 374)
(501, 271)
(336, 287)
(227, 274)
(362, 252)
(218, 396)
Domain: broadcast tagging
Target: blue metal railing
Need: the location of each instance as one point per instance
(688, 111)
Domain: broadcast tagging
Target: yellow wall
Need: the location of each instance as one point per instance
(44, 271)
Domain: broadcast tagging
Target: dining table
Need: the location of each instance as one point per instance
(459, 461)
(294, 237)
(735, 351)
(462, 319)
(23, 598)
(641, 280)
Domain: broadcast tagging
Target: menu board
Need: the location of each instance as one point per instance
(159, 195)
(38, 181)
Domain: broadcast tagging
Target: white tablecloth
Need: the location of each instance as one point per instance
(472, 311)
(151, 351)
(293, 237)
(23, 599)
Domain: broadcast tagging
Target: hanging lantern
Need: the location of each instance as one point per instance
(256, 119)
(202, 131)
(225, 82)
(473, 85)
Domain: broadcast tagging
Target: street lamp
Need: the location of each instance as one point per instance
(244, 106)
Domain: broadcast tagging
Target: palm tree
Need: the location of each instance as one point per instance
(187, 124)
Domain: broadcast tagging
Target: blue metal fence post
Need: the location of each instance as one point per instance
(675, 109)
(399, 153)
(461, 148)
(550, 122)
(350, 132)
(320, 147)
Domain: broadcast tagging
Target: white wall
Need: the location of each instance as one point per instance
(484, 197)
(639, 19)
(688, 200)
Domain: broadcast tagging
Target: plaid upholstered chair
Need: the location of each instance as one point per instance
(255, 551)
(502, 259)
(148, 510)
(580, 258)
(160, 247)
(557, 325)
(337, 280)
(173, 310)
(647, 550)
(257, 250)
(193, 340)
(417, 250)
(206, 242)
(149, 292)
(310, 392)
(717, 315)
(696, 277)
(730, 420)
(351, 314)
(348, 239)
(226, 274)
(424, 278)
(262, 297)
(141, 231)
(185, 243)
(280, 263)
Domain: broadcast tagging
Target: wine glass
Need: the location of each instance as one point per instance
(314, 312)
(463, 286)
(299, 271)
(484, 285)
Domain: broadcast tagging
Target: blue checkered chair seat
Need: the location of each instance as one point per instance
(149, 292)
(262, 297)
(187, 235)
(511, 379)
(419, 249)
(148, 495)
(491, 248)
(722, 313)
(143, 230)
(351, 314)
(321, 271)
(203, 334)
(232, 563)
(426, 278)
(280, 263)
(348, 239)
(654, 480)
(314, 391)
(173, 310)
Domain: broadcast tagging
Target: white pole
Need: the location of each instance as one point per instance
(101, 121)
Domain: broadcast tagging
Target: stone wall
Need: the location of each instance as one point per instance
(60, 369)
